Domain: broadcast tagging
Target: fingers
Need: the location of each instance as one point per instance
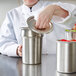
(38, 23)
(42, 23)
(20, 50)
(45, 24)
(19, 53)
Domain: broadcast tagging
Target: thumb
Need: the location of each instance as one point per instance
(20, 47)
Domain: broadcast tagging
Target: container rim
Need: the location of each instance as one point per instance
(23, 28)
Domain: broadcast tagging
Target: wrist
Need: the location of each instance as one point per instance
(59, 11)
(52, 8)
(56, 9)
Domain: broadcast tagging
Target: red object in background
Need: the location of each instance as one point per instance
(73, 40)
(65, 40)
(74, 28)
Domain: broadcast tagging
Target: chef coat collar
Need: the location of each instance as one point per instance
(34, 8)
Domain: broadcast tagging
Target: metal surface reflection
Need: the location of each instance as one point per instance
(61, 74)
(31, 70)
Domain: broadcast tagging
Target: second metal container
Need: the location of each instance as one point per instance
(66, 57)
(32, 46)
(70, 34)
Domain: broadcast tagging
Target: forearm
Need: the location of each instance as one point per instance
(56, 10)
(60, 11)
(8, 48)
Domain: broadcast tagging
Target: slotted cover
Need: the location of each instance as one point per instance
(31, 24)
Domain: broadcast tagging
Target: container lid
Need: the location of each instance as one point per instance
(31, 24)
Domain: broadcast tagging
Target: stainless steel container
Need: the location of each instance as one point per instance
(71, 34)
(66, 57)
(32, 46)
(32, 42)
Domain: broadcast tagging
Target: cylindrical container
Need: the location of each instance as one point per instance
(66, 57)
(32, 46)
(70, 34)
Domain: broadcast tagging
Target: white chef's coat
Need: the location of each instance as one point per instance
(10, 32)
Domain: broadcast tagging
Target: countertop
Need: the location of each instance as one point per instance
(12, 66)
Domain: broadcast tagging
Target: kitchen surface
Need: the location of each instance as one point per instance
(11, 66)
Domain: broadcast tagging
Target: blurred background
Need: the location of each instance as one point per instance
(6, 5)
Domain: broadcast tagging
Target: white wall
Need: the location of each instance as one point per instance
(6, 5)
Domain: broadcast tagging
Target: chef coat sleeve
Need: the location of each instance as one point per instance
(69, 20)
(8, 42)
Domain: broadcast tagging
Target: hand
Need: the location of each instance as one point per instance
(46, 15)
(19, 50)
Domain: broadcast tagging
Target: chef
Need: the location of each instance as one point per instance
(44, 12)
